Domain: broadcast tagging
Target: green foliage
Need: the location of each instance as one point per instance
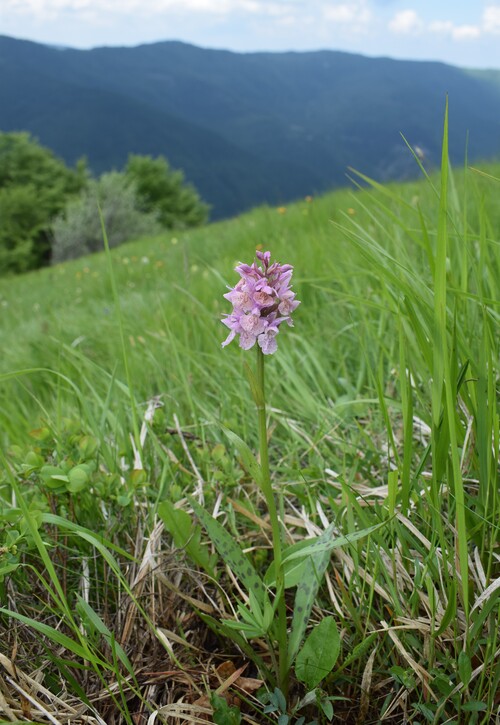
(34, 187)
(319, 653)
(78, 231)
(163, 191)
(23, 223)
(186, 535)
(224, 714)
(257, 618)
(352, 416)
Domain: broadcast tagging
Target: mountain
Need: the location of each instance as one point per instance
(246, 128)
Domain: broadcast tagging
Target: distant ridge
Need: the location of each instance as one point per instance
(246, 128)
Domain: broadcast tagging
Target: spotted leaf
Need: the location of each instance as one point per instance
(233, 556)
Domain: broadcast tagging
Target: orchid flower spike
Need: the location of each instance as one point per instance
(262, 300)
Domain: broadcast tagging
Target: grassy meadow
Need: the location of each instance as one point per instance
(382, 408)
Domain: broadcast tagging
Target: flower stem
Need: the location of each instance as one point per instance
(275, 527)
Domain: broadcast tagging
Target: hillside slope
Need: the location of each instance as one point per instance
(250, 127)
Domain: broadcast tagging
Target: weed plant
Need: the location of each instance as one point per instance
(382, 408)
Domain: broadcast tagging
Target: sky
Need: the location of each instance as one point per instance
(460, 32)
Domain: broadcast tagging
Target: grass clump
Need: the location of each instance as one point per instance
(382, 408)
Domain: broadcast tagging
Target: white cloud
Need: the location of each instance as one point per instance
(491, 19)
(456, 32)
(370, 26)
(466, 32)
(406, 22)
(46, 8)
(441, 26)
(357, 15)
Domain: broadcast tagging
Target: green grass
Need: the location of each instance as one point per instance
(383, 405)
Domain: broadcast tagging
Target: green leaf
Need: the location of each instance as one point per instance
(7, 569)
(404, 677)
(319, 654)
(99, 542)
(327, 707)
(307, 589)
(53, 477)
(78, 479)
(88, 614)
(253, 622)
(464, 668)
(33, 460)
(232, 555)
(224, 714)
(450, 610)
(280, 699)
(248, 458)
(474, 706)
(292, 570)
(358, 651)
(325, 543)
(88, 446)
(186, 534)
(221, 630)
(54, 635)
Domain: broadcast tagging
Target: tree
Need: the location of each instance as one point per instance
(77, 231)
(34, 188)
(22, 222)
(163, 190)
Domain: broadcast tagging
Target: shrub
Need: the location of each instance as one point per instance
(163, 190)
(78, 230)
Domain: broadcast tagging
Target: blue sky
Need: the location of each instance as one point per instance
(462, 32)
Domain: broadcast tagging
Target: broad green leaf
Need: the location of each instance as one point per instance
(474, 706)
(6, 569)
(279, 699)
(307, 590)
(319, 654)
(327, 707)
(78, 479)
(53, 477)
(248, 458)
(232, 554)
(88, 446)
(47, 472)
(293, 571)
(33, 460)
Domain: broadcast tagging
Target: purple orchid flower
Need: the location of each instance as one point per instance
(262, 299)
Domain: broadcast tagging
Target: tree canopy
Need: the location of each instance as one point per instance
(163, 190)
(49, 212)
(34, 187)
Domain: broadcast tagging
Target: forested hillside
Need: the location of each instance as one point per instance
(246, 128)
